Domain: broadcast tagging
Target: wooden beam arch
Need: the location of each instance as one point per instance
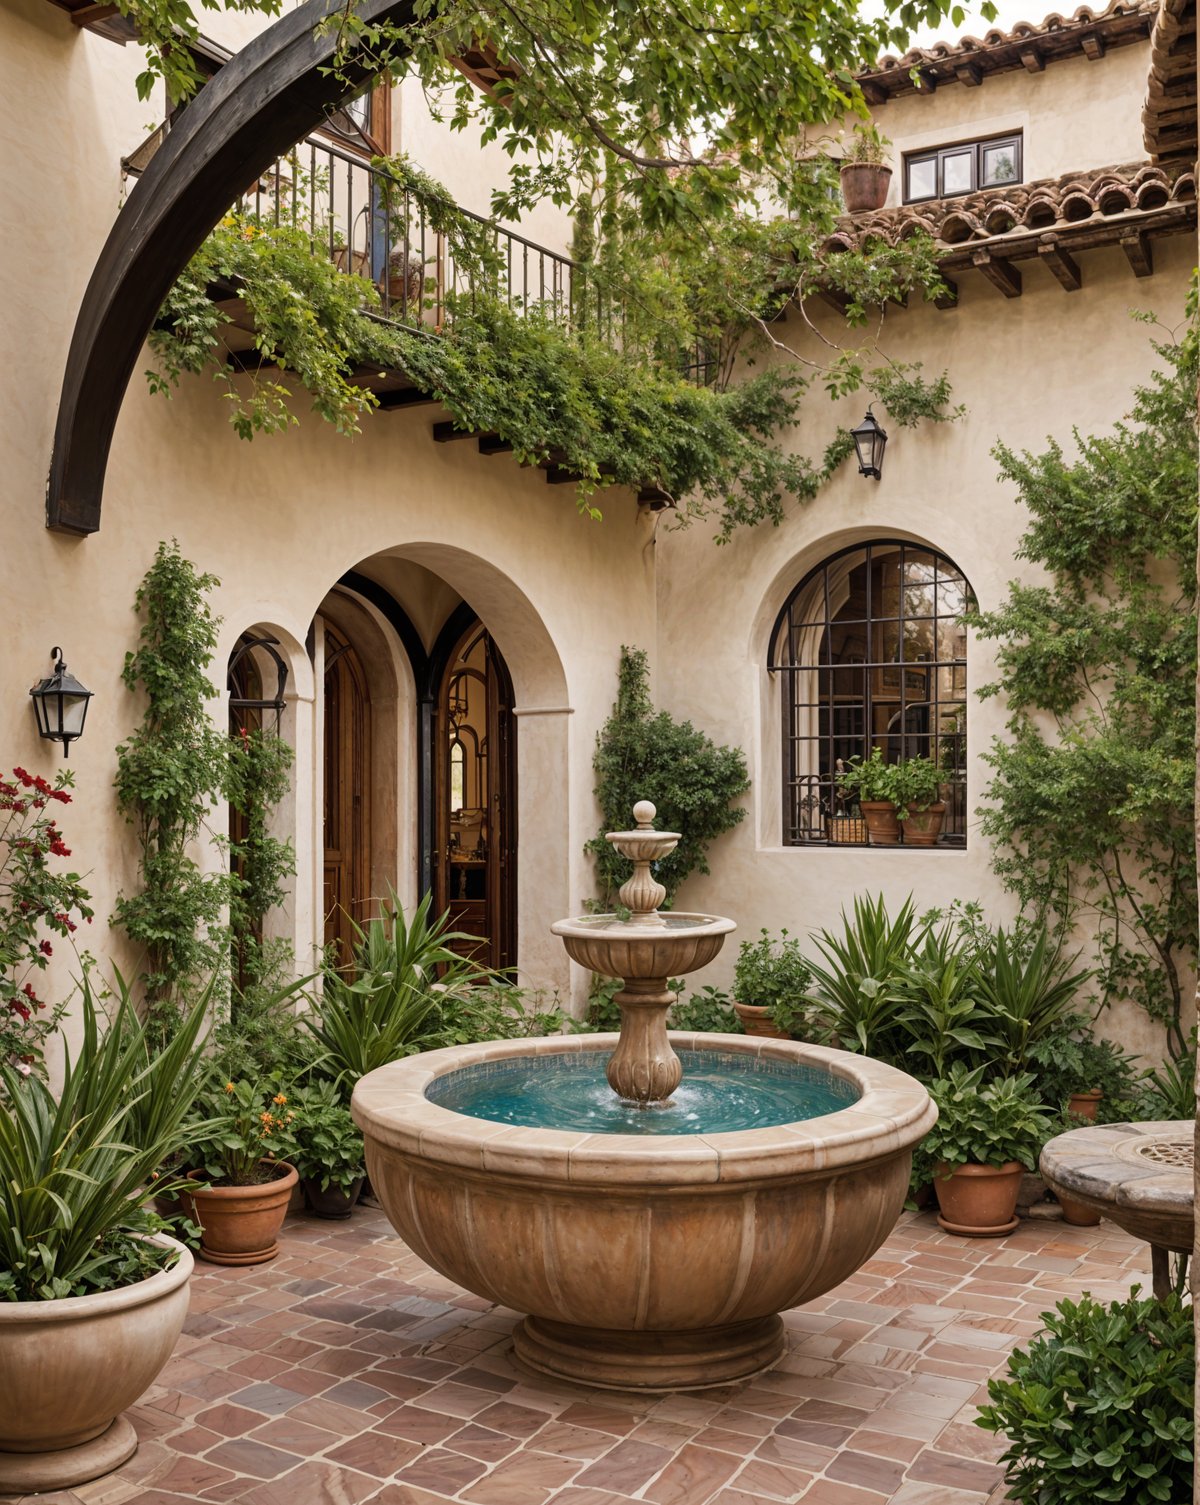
(268, 97)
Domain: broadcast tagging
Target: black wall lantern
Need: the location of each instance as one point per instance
(869, 441)
(60, 703)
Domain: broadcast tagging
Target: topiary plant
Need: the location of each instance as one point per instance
(1100, 1406)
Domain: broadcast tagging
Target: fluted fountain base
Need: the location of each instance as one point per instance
(700, 1359)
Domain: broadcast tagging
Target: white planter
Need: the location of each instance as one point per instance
(69, 1367)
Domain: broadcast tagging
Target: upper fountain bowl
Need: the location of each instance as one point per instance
(676, 944)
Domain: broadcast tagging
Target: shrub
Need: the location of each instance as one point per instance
(327, 1145)
(1100, 1406)
(986, 1125)
(857, 992)
(707, 1012)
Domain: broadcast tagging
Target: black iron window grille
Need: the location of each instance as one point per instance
(870, 651)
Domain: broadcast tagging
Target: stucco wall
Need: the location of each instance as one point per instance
(1074, 115)
(279, 521)
(1025, 368)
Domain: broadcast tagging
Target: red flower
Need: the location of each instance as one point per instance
(61, 796)
(46, 948)
(25, 778)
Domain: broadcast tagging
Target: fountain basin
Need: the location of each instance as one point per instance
(644, 1261)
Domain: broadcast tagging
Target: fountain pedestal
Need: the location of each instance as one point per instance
(644, 1068)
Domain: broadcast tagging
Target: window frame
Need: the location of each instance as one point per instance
(939, 154)
(817, 718)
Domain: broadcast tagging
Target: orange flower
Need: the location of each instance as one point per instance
(279, 1098)
(229, 1087)
(265, 1117)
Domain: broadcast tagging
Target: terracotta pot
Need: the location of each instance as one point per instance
(241, 1223)
(923, 827)
(756, 1021)
(71, 1366)
(1084, 1104)
(979, 1201)
(864, 186)
(882, 824)
(1078, 1214)
(333, 1202)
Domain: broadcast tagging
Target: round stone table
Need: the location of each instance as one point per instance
(1139, 1175)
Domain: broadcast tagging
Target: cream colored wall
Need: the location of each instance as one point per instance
(1074, 115)
(1025, 368)
(279, 521)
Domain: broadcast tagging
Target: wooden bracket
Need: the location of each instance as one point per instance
(1139, 253)
(1063, 265)
(1001, 274)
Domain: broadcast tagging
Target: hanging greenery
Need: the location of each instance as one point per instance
(1092, 806)
(643, 754)
(614, 412)
(169, 776)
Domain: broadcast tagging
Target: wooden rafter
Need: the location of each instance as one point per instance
(1063, 265)
(1000, 273)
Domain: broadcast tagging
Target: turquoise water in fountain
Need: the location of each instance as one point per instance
(721, 1091)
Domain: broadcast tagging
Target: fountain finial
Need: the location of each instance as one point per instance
(641, 894)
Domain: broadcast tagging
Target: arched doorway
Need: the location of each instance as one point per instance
(474, 795)
(347, 792)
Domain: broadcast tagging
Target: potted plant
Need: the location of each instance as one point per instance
(328, 1153)
(865, 178)
(240, 1137)
(769, 974)
(984, 1139)
(1076, 1072)
(93, 1295)
(914, 790)
(870, 780)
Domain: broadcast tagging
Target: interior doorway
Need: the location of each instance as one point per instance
(347, 794)
(474, 796)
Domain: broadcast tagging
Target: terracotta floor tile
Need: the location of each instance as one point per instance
(599, 1418)
(693, 1476)
(254, 1458)
(572, 1442)
(442, 1471)
(866, 1470)
(932, 1467)
(626, 1468)
(526, 1479)
(482, 1443)
(517, 1421)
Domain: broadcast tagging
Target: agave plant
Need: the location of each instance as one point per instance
(1029, 991)
(857, 992)
(403, 970)
(74, 1172)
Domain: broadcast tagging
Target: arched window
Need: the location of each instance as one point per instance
(870, 651)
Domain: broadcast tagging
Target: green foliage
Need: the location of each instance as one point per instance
(1100, 1406)
(942, 1014)
(327, 1146)
(911, 784)
(1169, 1091)
(865, 146)
(1092, 796)
(708, 1011)
(238, 1132)
(391, 1006)
(646, 755)
(497, 1011)
(74, 1171)
(257, 778)
(771, 973)
(857, 988)
(1068, 1060)
(1029, 988)
(990, 1124)
(308, 318)
(604, 1012)
(168, 776)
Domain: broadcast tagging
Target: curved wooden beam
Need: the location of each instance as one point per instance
(272, 94)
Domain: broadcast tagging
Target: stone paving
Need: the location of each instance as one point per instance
(347, 1371)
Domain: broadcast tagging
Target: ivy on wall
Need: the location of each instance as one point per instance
(643, 754)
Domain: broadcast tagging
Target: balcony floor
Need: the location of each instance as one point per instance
(347, 1371)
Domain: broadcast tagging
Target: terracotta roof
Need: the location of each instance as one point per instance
(1128, 206)
(1089, 32)
(1169, 114)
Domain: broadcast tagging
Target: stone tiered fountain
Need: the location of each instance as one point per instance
(652, 1225)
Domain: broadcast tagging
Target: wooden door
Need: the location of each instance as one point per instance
(475, 799)
(347, 813)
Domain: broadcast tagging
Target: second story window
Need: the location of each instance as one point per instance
(944, 171)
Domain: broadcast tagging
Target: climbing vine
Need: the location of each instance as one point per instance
(257, 779)
(1092, 796)
(643, 754)
(169, 775)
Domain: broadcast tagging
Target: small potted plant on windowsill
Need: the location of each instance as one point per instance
(769, 974)
(984, 1139)
(865, 177)
(871, 780)
(328, 1153)
(241, 1137)
(915, 789)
